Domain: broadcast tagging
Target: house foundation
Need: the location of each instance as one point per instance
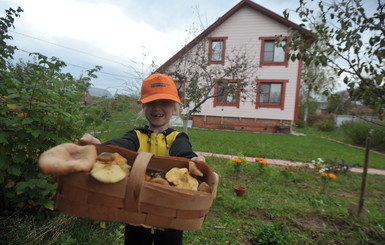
(242, 124)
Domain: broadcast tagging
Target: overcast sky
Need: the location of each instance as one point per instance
(115, 34)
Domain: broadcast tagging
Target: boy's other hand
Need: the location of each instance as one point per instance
(200, 159)
(89, 139)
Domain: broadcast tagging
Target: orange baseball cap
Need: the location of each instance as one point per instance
(158, 87)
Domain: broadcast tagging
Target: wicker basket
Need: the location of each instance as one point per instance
(134, 200)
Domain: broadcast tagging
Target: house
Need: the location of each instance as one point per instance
(274, 85)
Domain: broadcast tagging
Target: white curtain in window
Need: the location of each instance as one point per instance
(217, 47)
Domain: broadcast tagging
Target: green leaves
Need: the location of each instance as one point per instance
(40, 107)
(354, 44)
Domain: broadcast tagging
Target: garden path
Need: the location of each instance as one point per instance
(278, 162)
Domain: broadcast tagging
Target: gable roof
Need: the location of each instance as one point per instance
(222, 19)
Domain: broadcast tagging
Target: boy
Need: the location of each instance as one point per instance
(160, 100)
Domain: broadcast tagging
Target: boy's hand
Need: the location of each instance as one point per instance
(88, 139)
(200, 159)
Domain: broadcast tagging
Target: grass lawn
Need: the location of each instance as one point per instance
(278, 208)
(290, 209)
(273, 146)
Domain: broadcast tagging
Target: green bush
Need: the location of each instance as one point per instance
(358, 131)
(300, 124)
(40, 107)
(319, 117)
(325, 125)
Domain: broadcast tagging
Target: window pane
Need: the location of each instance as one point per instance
(216, 52)
(227, 92)
(275, 93)
(180, 87)
(279, 54)
(264, 96)
(268, 51)
(221, 93)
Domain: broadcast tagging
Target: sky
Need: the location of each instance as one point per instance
(122, 36)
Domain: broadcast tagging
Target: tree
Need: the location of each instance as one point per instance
(315, 80)
(349, 40)
(339, 103)
(200, 81)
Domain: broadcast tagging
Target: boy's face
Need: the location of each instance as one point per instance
(158, 113)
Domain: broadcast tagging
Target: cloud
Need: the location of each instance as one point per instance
(101, 24)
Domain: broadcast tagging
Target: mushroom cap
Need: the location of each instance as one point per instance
(111, 171)
(181, 178)
(204, 187)
(193, 169)
(160, 180)
(67, 158)
(108, 173)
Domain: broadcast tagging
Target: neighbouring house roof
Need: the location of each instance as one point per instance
(222, 19)
(99, 92)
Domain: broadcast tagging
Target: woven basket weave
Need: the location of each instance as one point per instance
(134, 200)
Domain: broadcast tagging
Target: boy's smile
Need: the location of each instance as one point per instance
(158, 114)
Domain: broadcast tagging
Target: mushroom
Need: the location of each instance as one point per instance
(67, 158)
(193, 169)
(110, 171)
(160, 180)
(181, 178)
(204, 187)
(106, 156)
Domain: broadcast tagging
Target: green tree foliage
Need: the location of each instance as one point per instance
(40, 107)
(348, 39)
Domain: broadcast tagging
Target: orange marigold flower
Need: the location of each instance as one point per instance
(291, 172)
(332, 176)
(236, 160)
(323, 174)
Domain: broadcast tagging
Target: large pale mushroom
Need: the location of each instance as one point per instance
(181, 178)
(111, 168)
(67, 158)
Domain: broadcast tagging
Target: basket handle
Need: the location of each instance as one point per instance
(135, 181)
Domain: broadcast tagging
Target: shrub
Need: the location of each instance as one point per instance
(326, 126)
(300, 124)
(40, 107)
(358, 131)
(314, 118)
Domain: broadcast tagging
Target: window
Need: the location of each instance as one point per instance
(227, 93)
(272, 55)
(181, 86)
(217, 48)
(271, 93)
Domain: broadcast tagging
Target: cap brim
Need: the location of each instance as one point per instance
(159, 97)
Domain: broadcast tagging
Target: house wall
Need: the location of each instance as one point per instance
(243, 30)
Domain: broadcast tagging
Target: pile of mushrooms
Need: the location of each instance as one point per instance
(181, 178)
(112, 167)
